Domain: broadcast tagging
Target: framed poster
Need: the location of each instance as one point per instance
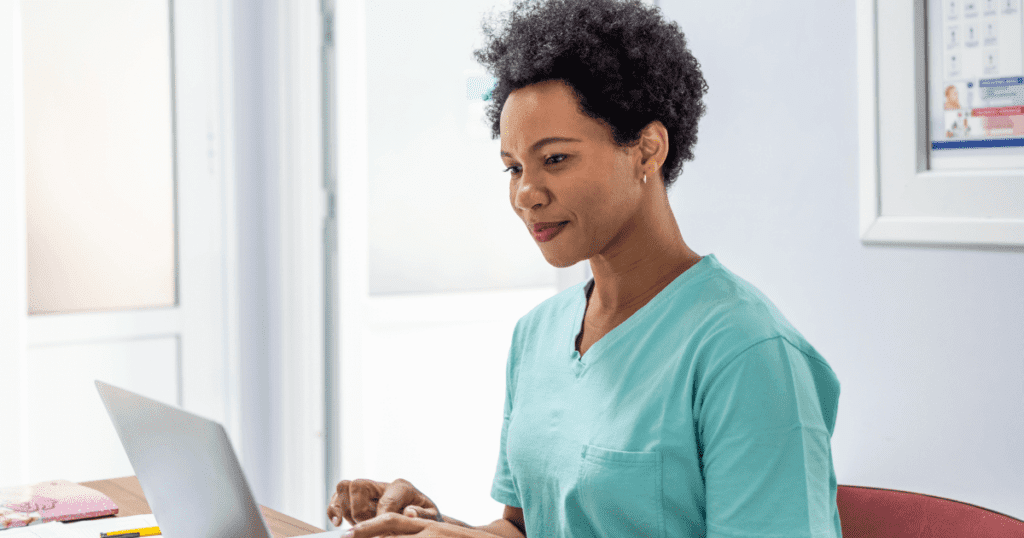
(941, 120)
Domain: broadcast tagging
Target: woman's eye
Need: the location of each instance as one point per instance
(513, 169)
(555, 159)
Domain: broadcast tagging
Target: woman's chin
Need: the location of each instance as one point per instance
(560, 260)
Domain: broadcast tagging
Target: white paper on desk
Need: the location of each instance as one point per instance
(93, 527)
(54, 529)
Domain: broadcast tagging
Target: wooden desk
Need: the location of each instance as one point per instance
(127, 495)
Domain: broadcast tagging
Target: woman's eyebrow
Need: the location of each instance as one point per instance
(545, 141)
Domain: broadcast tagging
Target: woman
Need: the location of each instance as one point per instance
(666, 396)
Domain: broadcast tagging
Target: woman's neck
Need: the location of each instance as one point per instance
(647, 257)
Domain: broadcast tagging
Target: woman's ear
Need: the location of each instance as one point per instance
(653, 146)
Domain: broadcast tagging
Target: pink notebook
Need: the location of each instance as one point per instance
(55, 500)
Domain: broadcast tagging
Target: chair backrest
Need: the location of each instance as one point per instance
(877, 513)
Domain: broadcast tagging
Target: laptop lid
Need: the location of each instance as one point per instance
(187, 468)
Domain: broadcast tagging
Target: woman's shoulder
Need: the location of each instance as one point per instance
(731, 314)
(723, 297)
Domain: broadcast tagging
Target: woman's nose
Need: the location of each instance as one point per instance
(529, 192)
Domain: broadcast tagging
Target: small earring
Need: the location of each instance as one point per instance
(645, 179)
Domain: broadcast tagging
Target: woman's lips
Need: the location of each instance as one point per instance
(545, 231)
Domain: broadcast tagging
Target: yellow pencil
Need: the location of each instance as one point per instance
(131, 533)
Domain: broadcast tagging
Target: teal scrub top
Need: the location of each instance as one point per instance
(703, 414)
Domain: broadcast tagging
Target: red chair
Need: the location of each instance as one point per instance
(886, 513)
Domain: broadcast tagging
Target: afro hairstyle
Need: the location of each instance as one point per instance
(626, 64)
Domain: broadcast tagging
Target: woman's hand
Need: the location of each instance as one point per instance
(361, 500)
(392, 524)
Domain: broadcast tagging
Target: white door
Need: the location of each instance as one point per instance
(115, 207)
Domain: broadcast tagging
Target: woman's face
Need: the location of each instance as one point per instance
(573, 187)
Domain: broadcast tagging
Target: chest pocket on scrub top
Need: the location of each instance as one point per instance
(621, 492)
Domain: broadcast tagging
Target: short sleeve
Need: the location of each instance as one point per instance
(503, 487)
(766, 453)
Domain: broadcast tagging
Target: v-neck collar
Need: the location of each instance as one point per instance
(580, 362)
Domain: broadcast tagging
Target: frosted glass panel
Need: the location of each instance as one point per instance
(98, 155)
(440, 218)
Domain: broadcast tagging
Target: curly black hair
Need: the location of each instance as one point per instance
(626, 64)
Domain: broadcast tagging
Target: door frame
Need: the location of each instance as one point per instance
(302, 209)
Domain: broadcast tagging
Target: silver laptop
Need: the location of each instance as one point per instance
(187, 469)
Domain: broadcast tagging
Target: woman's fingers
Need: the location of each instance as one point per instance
(402, 497)
(420, 512)
(396, 497)
(401, 494)
(360, 500)
(388, 524)
(334, 510)
(363, 497)
(340, 507)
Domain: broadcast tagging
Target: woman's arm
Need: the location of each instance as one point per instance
(392, 523)
(511, 525)
(765, 426)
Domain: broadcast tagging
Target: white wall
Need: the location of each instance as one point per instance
(928, 343)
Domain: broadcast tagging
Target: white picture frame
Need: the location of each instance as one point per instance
(901, 200)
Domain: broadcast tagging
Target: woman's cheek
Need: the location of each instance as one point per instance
(512, 196)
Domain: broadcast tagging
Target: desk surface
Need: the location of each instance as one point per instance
(127, 495)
